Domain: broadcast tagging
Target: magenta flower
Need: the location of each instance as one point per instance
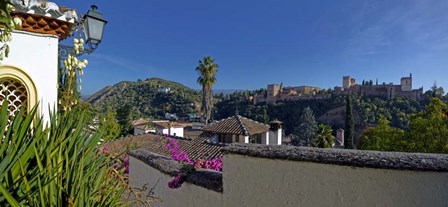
(105, 150)
(189, 165)
(176, 152)
(177, 181)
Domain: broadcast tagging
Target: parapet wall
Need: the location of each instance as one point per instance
(260, 175)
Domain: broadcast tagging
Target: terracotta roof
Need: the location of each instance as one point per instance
(145, 127)
(236, 125)
(44, 25)
(45, 17)
(166, 124)
(197, 148)
(143, 124)
(140, 121)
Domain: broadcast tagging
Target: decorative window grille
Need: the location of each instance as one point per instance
(16, 95)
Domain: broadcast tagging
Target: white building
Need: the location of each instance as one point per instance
(164, 90)
(29, 75)
(144, 126)
(243, 130)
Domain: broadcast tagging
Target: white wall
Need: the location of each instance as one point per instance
(188, 195)
(259, 182)
(250, 181)
(162, 131)
(179, 132)
(275, 137)
(37, 56)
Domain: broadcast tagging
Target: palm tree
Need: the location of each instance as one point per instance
(324, 138)
(207, 70)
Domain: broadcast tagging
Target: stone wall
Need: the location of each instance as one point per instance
(259, 175)
(155, 171)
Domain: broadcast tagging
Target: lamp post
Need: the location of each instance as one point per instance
(92, 25)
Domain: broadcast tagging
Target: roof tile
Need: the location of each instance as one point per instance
(197, 148)
(236, 125)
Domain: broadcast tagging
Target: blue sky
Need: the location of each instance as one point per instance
(296, 42)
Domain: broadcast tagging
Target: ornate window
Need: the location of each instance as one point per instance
(15, 94)
(17, 88)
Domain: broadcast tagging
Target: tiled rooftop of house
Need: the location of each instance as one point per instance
(167, 124)
(196, 148)
(236, 125)
(45, 17)
(145, 124)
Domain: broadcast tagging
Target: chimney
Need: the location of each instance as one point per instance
(275, 132)
(339, 139)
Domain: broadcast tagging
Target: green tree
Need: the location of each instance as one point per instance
(109, 127)
(207, 77)
(427, 133)
(306, 130)
(383, 138)
(265, 115)
(324, 137)
(123, 117)
(437, 91)
(428, 129)
(349, 125)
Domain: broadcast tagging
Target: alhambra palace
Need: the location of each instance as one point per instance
(277, 92)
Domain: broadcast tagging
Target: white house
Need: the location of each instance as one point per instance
(170, 128)
(243, 130)
(144, 126)
(29, 75)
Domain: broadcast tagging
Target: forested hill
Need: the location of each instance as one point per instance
(148, 98)
(367, 110)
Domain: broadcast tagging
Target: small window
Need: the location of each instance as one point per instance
(17, 89)
(16, 95)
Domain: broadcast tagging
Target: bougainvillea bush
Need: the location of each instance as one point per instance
(121, 163)
(188, 165)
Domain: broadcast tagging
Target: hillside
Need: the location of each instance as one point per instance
(367, 110)
(147, 98)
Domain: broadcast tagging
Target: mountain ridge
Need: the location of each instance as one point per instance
(152, 97)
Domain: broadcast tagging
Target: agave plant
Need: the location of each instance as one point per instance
(57, 165)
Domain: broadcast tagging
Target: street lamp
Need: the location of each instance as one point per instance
(92, 25)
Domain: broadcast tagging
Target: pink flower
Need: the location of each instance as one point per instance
(189, 165)
(177, 181)
(105, 150)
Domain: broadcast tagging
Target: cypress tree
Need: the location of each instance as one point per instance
(123, 116)
(349, 125)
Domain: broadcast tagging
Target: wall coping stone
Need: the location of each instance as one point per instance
(208, 179)
(354, 158)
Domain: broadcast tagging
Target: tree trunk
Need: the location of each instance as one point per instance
(210, 103)
(204, 104)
